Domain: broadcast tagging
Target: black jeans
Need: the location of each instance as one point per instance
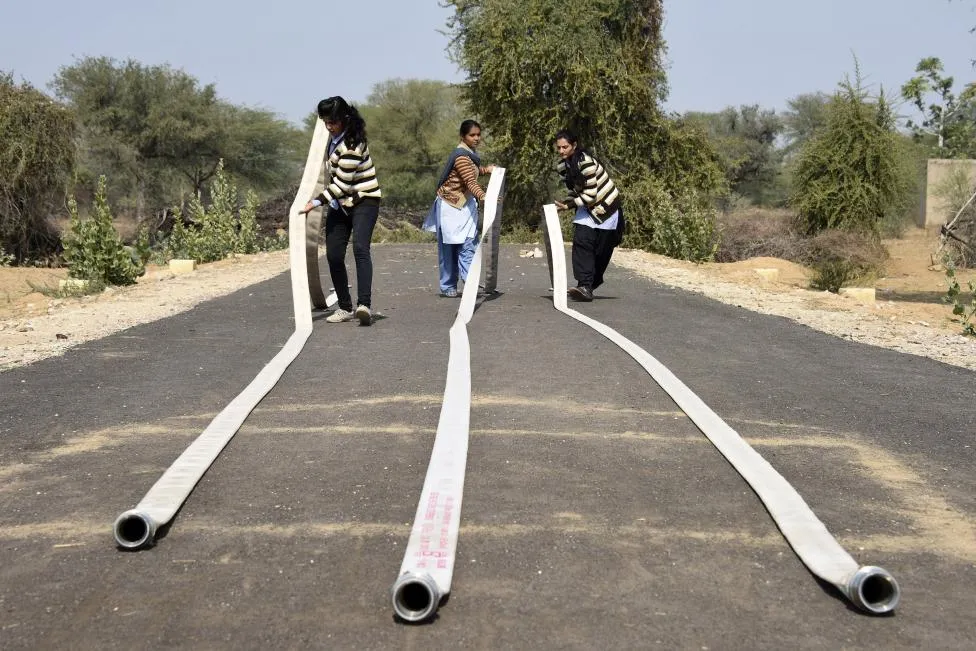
(359, 223)
(592, 248)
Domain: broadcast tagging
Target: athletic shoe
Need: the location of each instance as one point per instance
(365, 315)
(582, 294)
(339, 316)
(450, 293)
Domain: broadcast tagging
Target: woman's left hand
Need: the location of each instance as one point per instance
(560, 205)
(309, 207)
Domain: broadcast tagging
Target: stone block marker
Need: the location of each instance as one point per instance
(860, 294)
(182, 266)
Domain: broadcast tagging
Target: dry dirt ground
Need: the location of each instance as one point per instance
(908, 314)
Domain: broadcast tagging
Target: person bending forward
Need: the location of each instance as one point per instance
(353, 195)
(599, 219)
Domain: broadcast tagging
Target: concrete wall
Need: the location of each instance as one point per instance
(934, 211)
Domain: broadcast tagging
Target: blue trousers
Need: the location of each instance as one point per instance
(454, 260)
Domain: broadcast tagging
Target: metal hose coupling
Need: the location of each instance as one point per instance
(416, 597)
(873, 590)
(134, 530)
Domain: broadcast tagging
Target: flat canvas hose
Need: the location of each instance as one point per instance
(313, 231)
(870, 588)
(428, 562)
(136, 528)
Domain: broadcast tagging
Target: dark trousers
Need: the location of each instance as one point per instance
(359, 223)
(592, 248)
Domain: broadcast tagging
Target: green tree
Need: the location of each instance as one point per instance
(946, 118)
(536, 66)
(162, 133)
(805, 115)
(413, 126)
(745, 141)
(36, 160)
(857, 172)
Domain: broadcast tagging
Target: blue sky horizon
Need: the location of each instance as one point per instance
(279, 57)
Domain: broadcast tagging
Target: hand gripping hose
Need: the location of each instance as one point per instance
(137, 527)
(872, 589)
(428, 562)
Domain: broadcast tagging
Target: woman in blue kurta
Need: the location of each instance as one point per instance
(454, 215)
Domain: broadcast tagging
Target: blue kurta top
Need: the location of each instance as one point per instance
(455, 224)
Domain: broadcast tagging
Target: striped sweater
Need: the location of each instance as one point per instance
(462, 182)
(351, 176)
(592, 188)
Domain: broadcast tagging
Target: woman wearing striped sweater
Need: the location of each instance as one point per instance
(353, 195)
(454, 215)
(599, 220)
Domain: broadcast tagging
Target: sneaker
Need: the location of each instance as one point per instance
(365, 315)
(450, 293)
(582, 294)
(339, 316)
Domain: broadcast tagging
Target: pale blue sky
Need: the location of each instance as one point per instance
(285, 55)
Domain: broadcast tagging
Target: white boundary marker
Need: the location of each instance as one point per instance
(136, 528)
(428, 562)
(870, 588)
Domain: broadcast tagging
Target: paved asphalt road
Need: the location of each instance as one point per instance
(595, 514)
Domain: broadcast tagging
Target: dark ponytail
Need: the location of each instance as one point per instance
(336, 109)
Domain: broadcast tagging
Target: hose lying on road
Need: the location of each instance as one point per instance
(137, 527)
(428, 562)
(870, 588)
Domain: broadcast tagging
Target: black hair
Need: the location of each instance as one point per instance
(467, 126)
(336, 109)
(568, 136)
(574, 179)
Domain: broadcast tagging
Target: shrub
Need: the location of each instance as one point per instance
(215, 232)
(5, 258)
(142, 249)
(839, 258)
(678, 226)
(856, 173)
(274, 242)
(247, 233)
(760, 232)
(964, 313)
(37, 154)
(92, 248)
(831, 275)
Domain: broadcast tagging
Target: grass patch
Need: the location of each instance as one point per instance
(519, 233)
(68, 291)
(401, 232)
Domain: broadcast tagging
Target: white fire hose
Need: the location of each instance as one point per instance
(137, 527)
(870, 588)
(428, 562)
